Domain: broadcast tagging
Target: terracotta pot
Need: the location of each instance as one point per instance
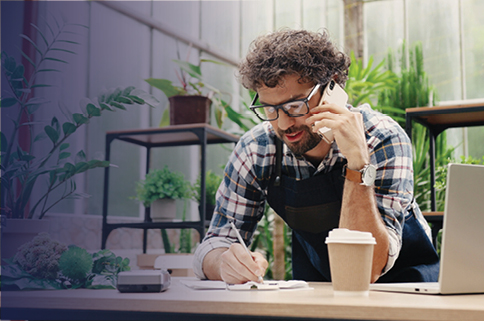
(17, 232)
(189, 110)
(163, 210)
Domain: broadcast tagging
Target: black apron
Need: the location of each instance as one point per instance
(311, 207)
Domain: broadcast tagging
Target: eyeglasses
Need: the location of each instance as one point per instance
(294, 108)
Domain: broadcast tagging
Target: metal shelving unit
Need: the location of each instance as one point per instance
(176, 135)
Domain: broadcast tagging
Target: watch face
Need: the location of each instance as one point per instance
(369, 175)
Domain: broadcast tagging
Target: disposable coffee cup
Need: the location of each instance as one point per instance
(350, 261)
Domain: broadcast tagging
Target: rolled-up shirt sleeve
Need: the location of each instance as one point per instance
(203, 249)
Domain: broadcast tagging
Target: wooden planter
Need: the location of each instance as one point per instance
(20, 231)
(189, 110)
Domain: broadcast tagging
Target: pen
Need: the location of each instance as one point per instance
(241, 241)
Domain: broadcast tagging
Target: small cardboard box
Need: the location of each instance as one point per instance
(178, 264)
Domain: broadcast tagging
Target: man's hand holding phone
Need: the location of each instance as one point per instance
(332, 120)
(332, 94)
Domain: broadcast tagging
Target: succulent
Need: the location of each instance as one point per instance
(75, 263)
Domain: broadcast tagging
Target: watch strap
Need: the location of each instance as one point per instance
(352, 175)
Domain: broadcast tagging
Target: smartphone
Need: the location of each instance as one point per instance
(333, 93)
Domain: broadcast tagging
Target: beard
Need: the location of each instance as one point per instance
(310, 140)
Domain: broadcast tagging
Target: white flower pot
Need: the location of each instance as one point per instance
(17, 232)
(163, 209)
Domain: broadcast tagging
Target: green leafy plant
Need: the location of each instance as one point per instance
(441, 177)
(212, 183)
(413, 89)
(34, 150)
(106, 262)
(162, 183)
(364, 84)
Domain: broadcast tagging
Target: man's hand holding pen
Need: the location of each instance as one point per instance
(239, 265)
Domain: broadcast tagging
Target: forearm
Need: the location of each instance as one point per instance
(359, 212)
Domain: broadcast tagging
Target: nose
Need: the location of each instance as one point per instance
(284, 121)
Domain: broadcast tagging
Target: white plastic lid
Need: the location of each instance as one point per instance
(343, 235)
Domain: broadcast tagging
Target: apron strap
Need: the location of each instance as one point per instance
(277, 181)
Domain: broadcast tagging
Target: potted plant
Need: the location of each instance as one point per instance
(35, 151)
(160, 189)
(190, 101)
(212, 183)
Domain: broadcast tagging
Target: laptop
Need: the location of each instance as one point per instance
(462, 252)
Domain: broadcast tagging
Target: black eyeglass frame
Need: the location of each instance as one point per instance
(281, 106)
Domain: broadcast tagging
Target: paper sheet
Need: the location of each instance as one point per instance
(204, 284)
(267, 285)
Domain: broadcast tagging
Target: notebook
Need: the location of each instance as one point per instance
(462, 252)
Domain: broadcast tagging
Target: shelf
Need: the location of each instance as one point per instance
(439, 118)
(177, 135)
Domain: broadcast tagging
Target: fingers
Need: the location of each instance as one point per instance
(331, 120)
(237, 266)
(326, 112)
(348, 130)
(261, 262)
(331, 107)
(321, 120)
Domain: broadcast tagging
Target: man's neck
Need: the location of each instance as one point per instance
(316, 155)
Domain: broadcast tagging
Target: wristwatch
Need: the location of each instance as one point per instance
(365, 176)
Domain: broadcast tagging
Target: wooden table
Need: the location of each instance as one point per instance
(183, 303)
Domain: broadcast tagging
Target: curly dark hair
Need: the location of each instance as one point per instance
(285, 52)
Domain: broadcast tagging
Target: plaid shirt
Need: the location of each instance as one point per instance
(242, 194)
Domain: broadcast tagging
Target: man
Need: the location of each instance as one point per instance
(313, 184)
